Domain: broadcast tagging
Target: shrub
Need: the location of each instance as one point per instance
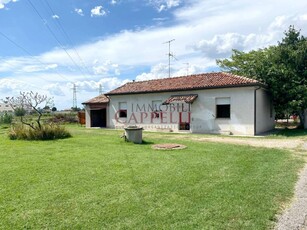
(6, 118)
(47, 132)
(20, 112)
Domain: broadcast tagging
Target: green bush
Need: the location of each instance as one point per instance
(20, 112)
(6, 118)
(47, 132)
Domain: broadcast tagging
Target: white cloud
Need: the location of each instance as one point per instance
(221, 45)
(161, 70)
(158, 71)
(4, 2)
(53, 86)
(161, 5)
(28, 64)
(107, 84)
(159, 19)
(139, 48)
(105, 68)
(79, 11)
(37, 68)
(113, 2)
(54, 89)
(98, 11)
(12, 87)
(55, 16)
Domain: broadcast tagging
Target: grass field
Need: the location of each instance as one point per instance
(95, 180)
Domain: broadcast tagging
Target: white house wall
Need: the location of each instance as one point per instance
(265, 117)
(241, 112)
(87, 116)
(203, 111)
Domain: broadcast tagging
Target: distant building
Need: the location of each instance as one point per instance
(4, 107)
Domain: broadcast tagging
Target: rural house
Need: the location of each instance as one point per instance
(202, 103)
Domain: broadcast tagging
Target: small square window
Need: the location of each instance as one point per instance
(123, 113)
(222, 111)
(223, 107)
(122, 109)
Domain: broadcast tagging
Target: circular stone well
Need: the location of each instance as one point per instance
(168, 146)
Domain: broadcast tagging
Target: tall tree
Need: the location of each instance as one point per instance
(283, 68)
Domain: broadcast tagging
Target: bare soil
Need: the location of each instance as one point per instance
(298, 144)
(168, 146)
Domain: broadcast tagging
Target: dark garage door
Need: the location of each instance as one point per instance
(99, 118)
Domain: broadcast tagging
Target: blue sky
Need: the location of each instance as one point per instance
(49, 45)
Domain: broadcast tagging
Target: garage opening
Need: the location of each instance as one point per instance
(99, 118)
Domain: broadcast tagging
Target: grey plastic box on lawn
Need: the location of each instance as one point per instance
(134, 134)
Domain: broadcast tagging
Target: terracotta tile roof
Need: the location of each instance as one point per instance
(101, 99)
(192, 82)
(181, 98)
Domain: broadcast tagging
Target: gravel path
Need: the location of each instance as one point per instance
(295, 217)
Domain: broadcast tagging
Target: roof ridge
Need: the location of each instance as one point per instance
(190, 82)
(191, 75)
(238, 76)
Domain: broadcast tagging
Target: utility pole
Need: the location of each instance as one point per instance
(74, 98)
(100, 89)
(169, 56)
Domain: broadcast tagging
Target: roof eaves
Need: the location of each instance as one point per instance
(190, 89)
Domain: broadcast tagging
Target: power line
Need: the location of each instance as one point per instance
(61, 28)
(55, 37)
(19, 46)
(28, 53)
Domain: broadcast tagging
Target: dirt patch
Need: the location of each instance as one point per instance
(267, 143)
(168, 146)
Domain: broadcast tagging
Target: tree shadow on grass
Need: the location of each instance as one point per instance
(291, 132)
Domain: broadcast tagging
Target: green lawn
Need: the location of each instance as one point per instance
(97, 181)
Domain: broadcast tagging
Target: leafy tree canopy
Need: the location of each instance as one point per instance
(283, 68)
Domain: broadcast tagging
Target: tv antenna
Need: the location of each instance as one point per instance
(169, 56)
